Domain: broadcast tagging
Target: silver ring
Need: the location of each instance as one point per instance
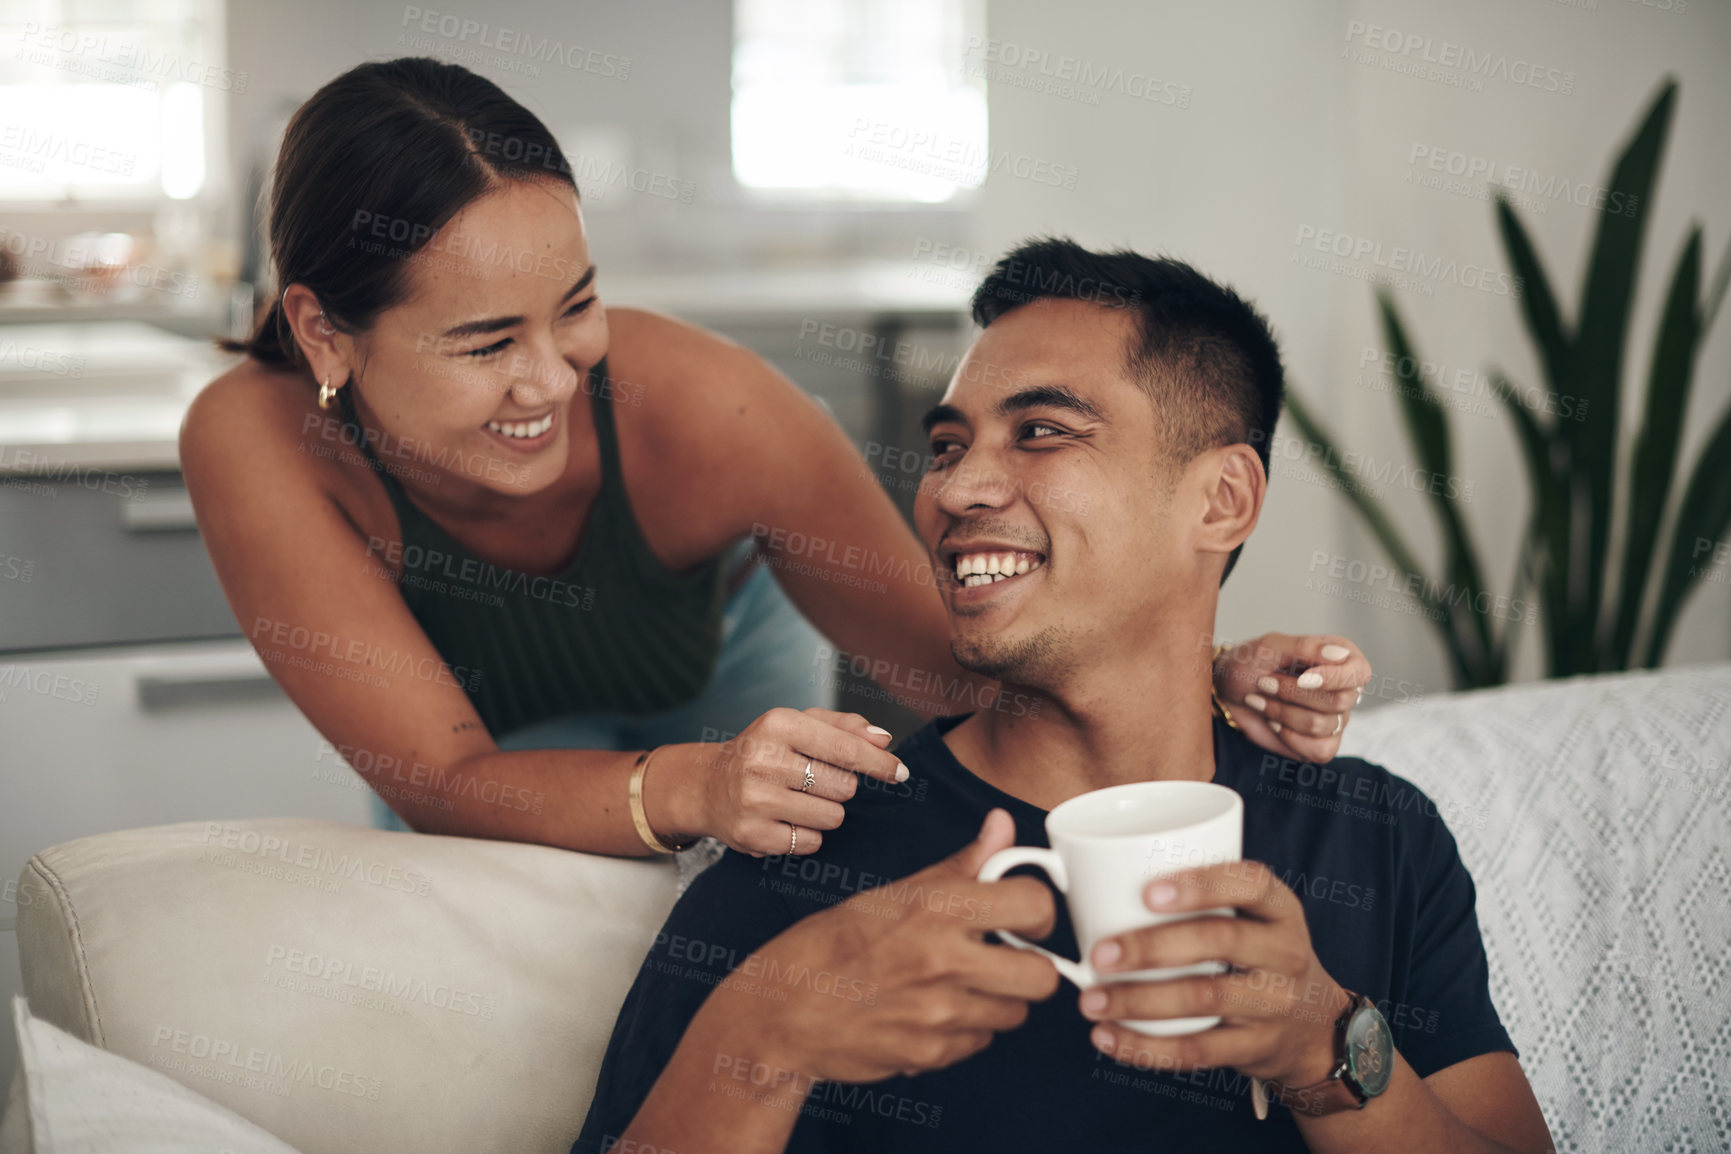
(1339, 724)
(810, 777)
(793, 839)
(1360, 696)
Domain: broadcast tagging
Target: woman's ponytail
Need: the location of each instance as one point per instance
(272, 342)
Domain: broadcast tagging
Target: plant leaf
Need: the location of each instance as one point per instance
(1549, 532)
(1427, 425)
(1370, 509)
(1655, 458)
(1702, 516)
(1538, 303)
(1597, 363)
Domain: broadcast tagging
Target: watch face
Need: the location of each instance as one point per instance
(1369, 1051)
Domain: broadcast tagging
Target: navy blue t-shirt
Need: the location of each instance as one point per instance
(1388, 903)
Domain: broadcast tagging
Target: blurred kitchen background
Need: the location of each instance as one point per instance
(824, 181)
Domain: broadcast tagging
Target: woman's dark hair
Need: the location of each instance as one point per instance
(370, 169)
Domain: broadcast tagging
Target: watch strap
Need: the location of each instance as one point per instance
(1335, 1092)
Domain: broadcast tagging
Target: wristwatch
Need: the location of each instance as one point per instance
(1364, 1062)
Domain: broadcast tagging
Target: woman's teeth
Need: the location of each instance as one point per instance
(522, 428)
(984, 568)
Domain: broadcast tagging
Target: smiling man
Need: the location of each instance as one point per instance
(1083, 519)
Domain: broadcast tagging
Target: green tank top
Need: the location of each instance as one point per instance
(615, 632)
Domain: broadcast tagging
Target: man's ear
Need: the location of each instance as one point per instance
(329, 353)
(1233, 485)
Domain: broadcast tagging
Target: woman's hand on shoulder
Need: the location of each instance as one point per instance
(1293, 695)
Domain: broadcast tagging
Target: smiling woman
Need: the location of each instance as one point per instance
(479, 525)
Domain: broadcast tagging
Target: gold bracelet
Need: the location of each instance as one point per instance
(1213, 690)
(638, 817)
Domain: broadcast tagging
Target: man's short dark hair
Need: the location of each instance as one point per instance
(1203, 354)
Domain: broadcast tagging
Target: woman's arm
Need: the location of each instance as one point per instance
(770, 463)
(335, 633)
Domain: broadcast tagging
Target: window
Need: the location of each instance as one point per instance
(858, 99)
(104, 100)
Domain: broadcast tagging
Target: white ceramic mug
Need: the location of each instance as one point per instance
(1106, 846)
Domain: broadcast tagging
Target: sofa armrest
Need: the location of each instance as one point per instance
(345, 987)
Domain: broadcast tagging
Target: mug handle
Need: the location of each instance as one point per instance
(1006, 860)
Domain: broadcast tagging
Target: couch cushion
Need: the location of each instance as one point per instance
(346, 988)
(1594, 817)
(81, 1100)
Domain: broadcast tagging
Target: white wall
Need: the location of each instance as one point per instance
(1282, 132)
(656, 99)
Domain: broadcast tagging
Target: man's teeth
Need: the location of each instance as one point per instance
(522, 428)
(984, 568)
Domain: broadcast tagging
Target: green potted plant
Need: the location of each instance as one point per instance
(1602, 608)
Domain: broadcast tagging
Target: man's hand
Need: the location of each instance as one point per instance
(1277, 1005)
(901, 978)
(1293, 695)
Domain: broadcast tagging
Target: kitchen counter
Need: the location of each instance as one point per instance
(110, 394)
(96, 395)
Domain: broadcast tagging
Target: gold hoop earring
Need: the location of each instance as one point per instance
(326, 394)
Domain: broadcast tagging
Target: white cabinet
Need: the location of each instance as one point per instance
(100, 740)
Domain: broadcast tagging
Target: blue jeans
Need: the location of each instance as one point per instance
(769, 654)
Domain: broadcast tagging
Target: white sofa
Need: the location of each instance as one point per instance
(352, 989)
